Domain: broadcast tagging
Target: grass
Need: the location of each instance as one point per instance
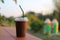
(45, 37)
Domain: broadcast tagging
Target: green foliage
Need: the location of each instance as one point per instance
(2, 1)
(10, 20)
(35, 23)
(6, 21)
(36, 26)
(2, 20)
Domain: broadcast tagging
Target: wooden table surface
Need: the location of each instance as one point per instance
(7, 33)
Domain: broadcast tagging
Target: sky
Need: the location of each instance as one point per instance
(9, 8)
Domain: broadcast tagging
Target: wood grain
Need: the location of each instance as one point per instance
(7, 33)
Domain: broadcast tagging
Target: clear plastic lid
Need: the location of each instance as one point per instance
(21, 19)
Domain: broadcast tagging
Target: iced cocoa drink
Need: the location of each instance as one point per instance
(21, 24)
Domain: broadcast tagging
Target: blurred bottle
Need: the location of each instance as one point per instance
(55, 26)
(47, 27)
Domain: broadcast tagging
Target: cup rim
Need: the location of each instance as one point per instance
(21, 19)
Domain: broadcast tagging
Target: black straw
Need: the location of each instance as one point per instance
(22, 11)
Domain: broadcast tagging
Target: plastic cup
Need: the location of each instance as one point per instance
(21, 24)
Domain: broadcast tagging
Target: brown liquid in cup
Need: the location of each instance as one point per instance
(20, 28)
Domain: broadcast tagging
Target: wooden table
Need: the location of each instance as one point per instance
(8, 33)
